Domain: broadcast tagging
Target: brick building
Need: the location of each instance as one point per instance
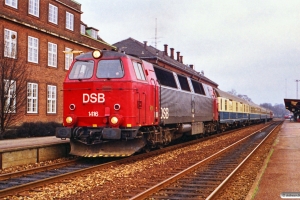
(38, 31)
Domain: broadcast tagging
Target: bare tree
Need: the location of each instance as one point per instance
(242, 96)
(13, 92)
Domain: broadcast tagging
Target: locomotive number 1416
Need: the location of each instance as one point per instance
(93, 114)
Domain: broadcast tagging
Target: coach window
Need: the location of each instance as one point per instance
(110, 69)
(184, 83)
(165, 77)
(198, 87)
(225, 105)
(139, 72)
(82, 70)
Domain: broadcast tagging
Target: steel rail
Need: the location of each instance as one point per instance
(188, 170)
(37, 169)
(58, 178)
(238, 167)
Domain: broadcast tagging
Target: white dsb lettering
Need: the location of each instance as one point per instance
(93, 98)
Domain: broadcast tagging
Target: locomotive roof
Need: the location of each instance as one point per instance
(135, 47)
(106, 54)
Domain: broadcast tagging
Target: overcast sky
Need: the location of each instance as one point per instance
(252, 46)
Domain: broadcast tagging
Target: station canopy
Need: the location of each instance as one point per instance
(292, 105)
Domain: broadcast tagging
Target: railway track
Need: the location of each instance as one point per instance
(206, 178)
(15, 184)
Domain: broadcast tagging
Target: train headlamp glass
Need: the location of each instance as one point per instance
(97, 54)
(114, 120)
(69, 120)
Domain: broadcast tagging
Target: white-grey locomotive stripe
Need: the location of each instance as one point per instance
(164, 113)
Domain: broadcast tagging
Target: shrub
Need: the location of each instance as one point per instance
(37, 129)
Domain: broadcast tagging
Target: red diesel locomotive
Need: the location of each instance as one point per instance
(116, 104)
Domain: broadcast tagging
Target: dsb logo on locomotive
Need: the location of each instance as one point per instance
(93, 98)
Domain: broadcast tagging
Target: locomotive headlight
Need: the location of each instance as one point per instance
(97, 54)
(69, 120)
(114, 120)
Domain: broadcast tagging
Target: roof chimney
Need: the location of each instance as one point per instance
(145, 44)
(192, 66)
(181, 59)
(178, 55)
(166, 49)
(172, 53)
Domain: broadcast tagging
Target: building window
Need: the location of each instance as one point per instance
(10, 43)
(12, 3)
(69, 21)
(94, 34)
(10, 95)
(33, 49)
(32, 98)
(52, 54)
(34, 7)
(51, 99)
(68, 58)
(53, 14)
(82, 29)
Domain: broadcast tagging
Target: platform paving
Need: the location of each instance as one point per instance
(29, 142)
(281, 172)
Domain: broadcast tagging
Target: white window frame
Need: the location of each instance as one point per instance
(10, 94)
(68, 58)
(52, 54)
(51, 99)
(53, 14)
(10, 43)
(12, 3)
(82, 29)
(33, 49)
(139, 72)
(32, 98)
(34, 7)
(69, 21)
(94, 33)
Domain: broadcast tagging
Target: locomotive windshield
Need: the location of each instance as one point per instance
(110, 69)
(82, 70)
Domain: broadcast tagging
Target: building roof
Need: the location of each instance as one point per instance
(143, 51)
(292, 105)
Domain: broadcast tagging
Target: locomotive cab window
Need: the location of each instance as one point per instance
(110, 69)
(82, 70)
(139, 72)
(183, 83)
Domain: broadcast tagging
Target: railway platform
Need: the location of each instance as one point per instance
(29, 142)
(32, 150)
(279, 178)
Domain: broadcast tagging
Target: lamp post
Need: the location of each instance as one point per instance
(297, 87)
